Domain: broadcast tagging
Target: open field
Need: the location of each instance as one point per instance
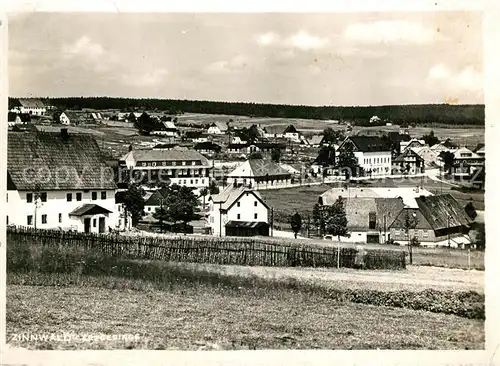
(208, 318)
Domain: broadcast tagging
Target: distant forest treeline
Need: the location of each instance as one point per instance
(418, 114)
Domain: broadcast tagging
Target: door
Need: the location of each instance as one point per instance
(86, 224)
(102, 227)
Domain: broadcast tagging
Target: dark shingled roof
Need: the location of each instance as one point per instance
(154, 199)
(290, 129)
(247, 224)
(31, 103)
(437, 209)
(407, 153)
(369, 143)
(54, 162)
(89, 209)
(208, 145)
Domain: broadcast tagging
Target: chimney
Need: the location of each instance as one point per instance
(64, 133)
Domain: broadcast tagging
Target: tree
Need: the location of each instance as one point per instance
(335, 219)
(213, 188)
(145, 124)
(255, 156)
(430, 139)
(203, 192)
(317, 217)
(448, 159)
(331, 136)
(410, 222)
(134, 203)
(348, 162)
(183, 205)
(296, 223)
(326, 156)
(132, 118)
(276, 155)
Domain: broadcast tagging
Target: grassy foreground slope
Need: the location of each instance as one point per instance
(211, 318)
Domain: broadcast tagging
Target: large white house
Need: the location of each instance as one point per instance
(238, 212)
(259, 174)
(183, 167)
(31, 106)
(59, 180)
(373, 154)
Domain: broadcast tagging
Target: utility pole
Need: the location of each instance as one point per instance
(220, 219)
(308, 224)
(385, 230)
(272, 221)
(448, 221)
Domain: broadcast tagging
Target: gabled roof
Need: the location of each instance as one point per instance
(395, 136)
(221, 126)
(463, 150)
(316, 139)
(437, 209)
(78, 116)
(261, 167)
(89, 209)
(274, 129)
(290, 129)
(407, 153)
(480, 148)
(169, 125)
(31, 103)
(56, 162)
(166, 155)
(246, 224)
(229, 196)
(153, 199)
(367, 143)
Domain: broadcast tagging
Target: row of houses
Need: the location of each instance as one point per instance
(377, 215)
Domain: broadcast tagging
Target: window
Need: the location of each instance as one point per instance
(30, 220)
(173, 163)
(185, 181)
(193, 163)
(94, 196)
(144, 164)
(103, 195)
(153, 163)
(149, 208)
(426, 233)
(238, 204)
(203, 181)
(183, 163)
(79, 196)
(396, 232)
(85, 191)
(94, 222)
(190, 181)
(29, 197)
(255, 216)
(239, 216)
(196, 181)
(60, 217)
(44, 219)
(43, 196)
(69, 197)
(255, 203)
(163, 163)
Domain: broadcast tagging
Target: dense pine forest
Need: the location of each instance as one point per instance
(416, 114)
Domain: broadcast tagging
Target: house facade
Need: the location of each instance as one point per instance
(167, 128)
(291, 133)
(31, 106)
(373, 154)
(466, 163)
(72, 192)
(183, 167)
(413, 143)
(238, 212)
(259, 174)
(208, 148)
(408, 163)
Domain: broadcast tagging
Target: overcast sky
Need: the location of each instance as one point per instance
(312, 59)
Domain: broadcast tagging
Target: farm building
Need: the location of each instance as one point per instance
(32, 106)
(76, 118)
(238, 211)
(441, 221)
(167, 128)
(413, 143)
(208, 147)
(59, 180)
(466, 163)
(408, 163)
(259, 174)
(14, 118)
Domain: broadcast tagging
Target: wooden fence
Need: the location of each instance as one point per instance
(238, 251)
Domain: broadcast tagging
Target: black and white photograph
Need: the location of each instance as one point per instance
(209, 181)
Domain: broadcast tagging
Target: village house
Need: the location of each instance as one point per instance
(259, 174)
(480, 150)
(152, 202)
(466, 163)
(373, 154)
(33, 106)
(316, 140)
(408, 163)
(14, 118)
(238, 211)
(167, 128)
(291, 133)
(208, 148)
(59, 180)
(368, 218)
(438, 148)
(274, 131)
(248, 148)
(184, 167)
(430, 156)
(217, 128)
(413, 143)
(72, 117)
(441, 221)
